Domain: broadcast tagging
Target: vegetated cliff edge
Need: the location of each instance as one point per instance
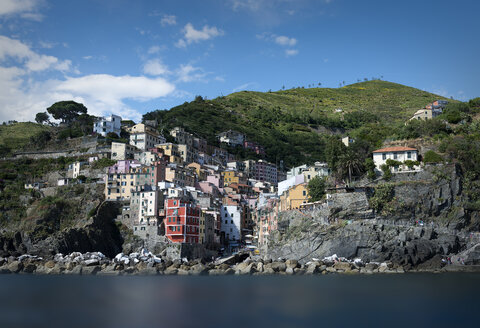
(74, 219)
(416, 219)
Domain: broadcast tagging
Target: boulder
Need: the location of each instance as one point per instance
(29, 268)
(49, 264)
(344, 266)
(278, 266)
(371, 266)
(15, 266)
(198, 269)
(91, 270)
(291, 264)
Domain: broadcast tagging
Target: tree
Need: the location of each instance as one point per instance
(67, 111)
(349, 164)
(370, 168)
(316, 189)
(333, 149)
(41, 118)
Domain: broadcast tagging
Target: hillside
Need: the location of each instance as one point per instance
(18, 135)
(294, 125)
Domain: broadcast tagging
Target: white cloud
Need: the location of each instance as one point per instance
(168, 20)
(21, 99)
(219, 78)
(191, 35)
(153, 50)
(11, 7)
(248, 85)
(87, 57)
(291, 52)
(253, 5)
(10, 48)
(155, 67)
(189, 73)
(22, 95)
(285, 41)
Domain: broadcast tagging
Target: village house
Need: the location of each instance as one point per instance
(347, 141)
(182, 137)
(396, 153)
(105, 125)
(430, 111)
(317, 170)
(231, 138)
(294, 197)
(231, 216)
(121, 151)
(182, 220)
(144, 136)
(172, 151)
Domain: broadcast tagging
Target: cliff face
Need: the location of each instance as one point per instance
(61, 224)
(421, 220)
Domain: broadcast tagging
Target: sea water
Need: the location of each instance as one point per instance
(396, 300)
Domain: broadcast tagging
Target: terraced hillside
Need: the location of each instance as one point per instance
(294, 125)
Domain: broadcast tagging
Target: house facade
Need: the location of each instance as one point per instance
(397, 153)
(144, 136)
(182, 221)
(121, 151)
(105, 125)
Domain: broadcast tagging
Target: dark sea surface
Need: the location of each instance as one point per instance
(400, 300)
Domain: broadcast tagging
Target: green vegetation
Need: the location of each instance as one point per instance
(432, 157)
(103, 163)
(67, 111)
(296, 125)
(316, 189)
(18, 135)
(382, 199)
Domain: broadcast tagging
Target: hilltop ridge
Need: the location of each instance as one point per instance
(293, 125)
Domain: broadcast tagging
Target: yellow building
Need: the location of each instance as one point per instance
(201, 173)
(119, 186)
(171, 150)
(294, 197)
(230, 177)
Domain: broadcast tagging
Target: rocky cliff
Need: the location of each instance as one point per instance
(75, 219)
(412, 221)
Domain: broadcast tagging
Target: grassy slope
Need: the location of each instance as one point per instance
(18, 135)
(287, 122)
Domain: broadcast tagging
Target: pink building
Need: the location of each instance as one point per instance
(123, 167)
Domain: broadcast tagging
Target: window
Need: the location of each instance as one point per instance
(304, 193)
(226, 221)
(384, 156)
(409, 154)
(231, 221)
(395, 155)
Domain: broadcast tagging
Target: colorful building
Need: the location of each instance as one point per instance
(182, 220)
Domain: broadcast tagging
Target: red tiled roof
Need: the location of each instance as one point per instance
(391, 149)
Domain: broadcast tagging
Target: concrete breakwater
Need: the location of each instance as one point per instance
(145, 263)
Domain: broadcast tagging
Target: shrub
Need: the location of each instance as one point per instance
(432, 157)
(382, 196)
(387, 173)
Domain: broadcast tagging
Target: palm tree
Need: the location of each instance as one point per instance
(349, 164)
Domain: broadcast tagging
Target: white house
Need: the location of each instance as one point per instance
(108, 124)
(144, 136)
(232, 138)
(397, 153)
(231, 216)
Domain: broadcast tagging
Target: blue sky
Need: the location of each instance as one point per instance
(131, 57)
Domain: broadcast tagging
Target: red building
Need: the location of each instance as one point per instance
(181, 221)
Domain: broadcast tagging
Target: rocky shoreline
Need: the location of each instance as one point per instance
(145, 263)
